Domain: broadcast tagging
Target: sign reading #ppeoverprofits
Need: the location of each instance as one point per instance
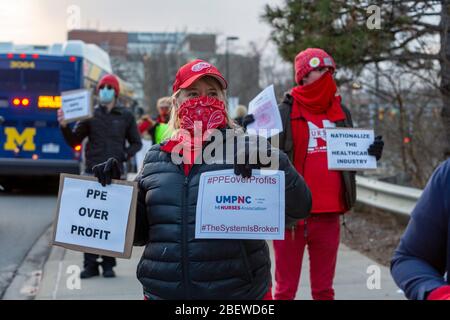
(233, 207)
(347, 149)
(95, 219)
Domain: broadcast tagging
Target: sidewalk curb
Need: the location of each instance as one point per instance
(28, 276)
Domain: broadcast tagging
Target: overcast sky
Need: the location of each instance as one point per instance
(46, 21)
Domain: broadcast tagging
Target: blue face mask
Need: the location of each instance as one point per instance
(106, 95)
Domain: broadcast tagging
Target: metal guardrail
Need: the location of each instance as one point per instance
(379, 194)
(387, 196)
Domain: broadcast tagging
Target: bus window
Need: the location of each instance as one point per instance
(42, 81)
(10, 80)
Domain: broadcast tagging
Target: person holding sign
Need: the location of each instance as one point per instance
(107, 132)
(311, 107)
(175, 264)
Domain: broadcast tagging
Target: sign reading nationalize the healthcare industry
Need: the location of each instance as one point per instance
(233, 207)
(347, 149)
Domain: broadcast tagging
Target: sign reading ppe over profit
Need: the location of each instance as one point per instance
(232, 207)
(77, 105)
(95, 219)
(265, 111)
(347, 149)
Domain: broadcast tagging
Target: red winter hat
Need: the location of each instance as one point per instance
(111, 80)
(310, 59)
(193, 71)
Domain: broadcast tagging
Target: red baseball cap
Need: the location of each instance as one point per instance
(193, 71)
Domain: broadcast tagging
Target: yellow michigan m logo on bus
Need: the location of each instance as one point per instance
(14, 139)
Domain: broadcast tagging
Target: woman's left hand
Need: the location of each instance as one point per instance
(376, 148)
(107, 171)
(244, 159)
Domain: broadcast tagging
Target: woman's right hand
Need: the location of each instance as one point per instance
(248, 158)
(107, 171)
(248, 119)
(61, 120)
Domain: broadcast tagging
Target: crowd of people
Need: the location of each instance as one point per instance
(176, 265)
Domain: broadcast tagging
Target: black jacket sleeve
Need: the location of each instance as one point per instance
(298, 200)
(133, 138)
(76, 135)
(422, 257)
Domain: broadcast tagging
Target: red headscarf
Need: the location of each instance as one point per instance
(316, 98)
(319, 97)
(207, 111)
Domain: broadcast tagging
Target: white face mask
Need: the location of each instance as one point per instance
(106, 95)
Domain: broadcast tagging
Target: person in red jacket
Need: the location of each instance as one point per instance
(311, 107)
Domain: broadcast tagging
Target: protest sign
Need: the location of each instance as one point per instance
(95, 219)
(77, 105)
(233, 207)
(265, 111)
(347, 149)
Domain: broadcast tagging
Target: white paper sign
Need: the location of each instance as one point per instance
(267, 116)
(76, 105)
(231, 207)
(93, 216)
(347, 149)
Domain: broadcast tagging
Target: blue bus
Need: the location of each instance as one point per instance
(31, 81)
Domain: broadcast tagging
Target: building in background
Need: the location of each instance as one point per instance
(150, 60)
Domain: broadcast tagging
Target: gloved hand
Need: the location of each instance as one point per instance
(244, 156)
(107, 171)
(376, 148)
(248, 119)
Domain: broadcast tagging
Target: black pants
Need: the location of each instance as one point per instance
(90, 261)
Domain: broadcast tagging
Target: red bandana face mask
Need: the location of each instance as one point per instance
(205, 113)
(209, 112)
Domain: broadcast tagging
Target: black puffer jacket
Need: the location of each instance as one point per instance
(175, 265)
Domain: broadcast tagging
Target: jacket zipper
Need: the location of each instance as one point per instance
(184, 231)
(184, 238)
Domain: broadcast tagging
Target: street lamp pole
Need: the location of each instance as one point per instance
(227, 57)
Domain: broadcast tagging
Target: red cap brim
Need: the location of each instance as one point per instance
(194, 78)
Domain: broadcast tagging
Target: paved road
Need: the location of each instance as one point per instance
(24, 216)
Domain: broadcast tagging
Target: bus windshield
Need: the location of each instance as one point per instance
(30, 81)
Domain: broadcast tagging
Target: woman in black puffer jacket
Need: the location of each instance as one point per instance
(175, 265)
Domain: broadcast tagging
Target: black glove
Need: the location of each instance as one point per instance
(245, 169)
(376, 148)
(247, 120)
(107, 171)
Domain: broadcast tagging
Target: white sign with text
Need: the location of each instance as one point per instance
(265, 111)
(347, 149)
(232, 207)
(77, 105)
(92, 218)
